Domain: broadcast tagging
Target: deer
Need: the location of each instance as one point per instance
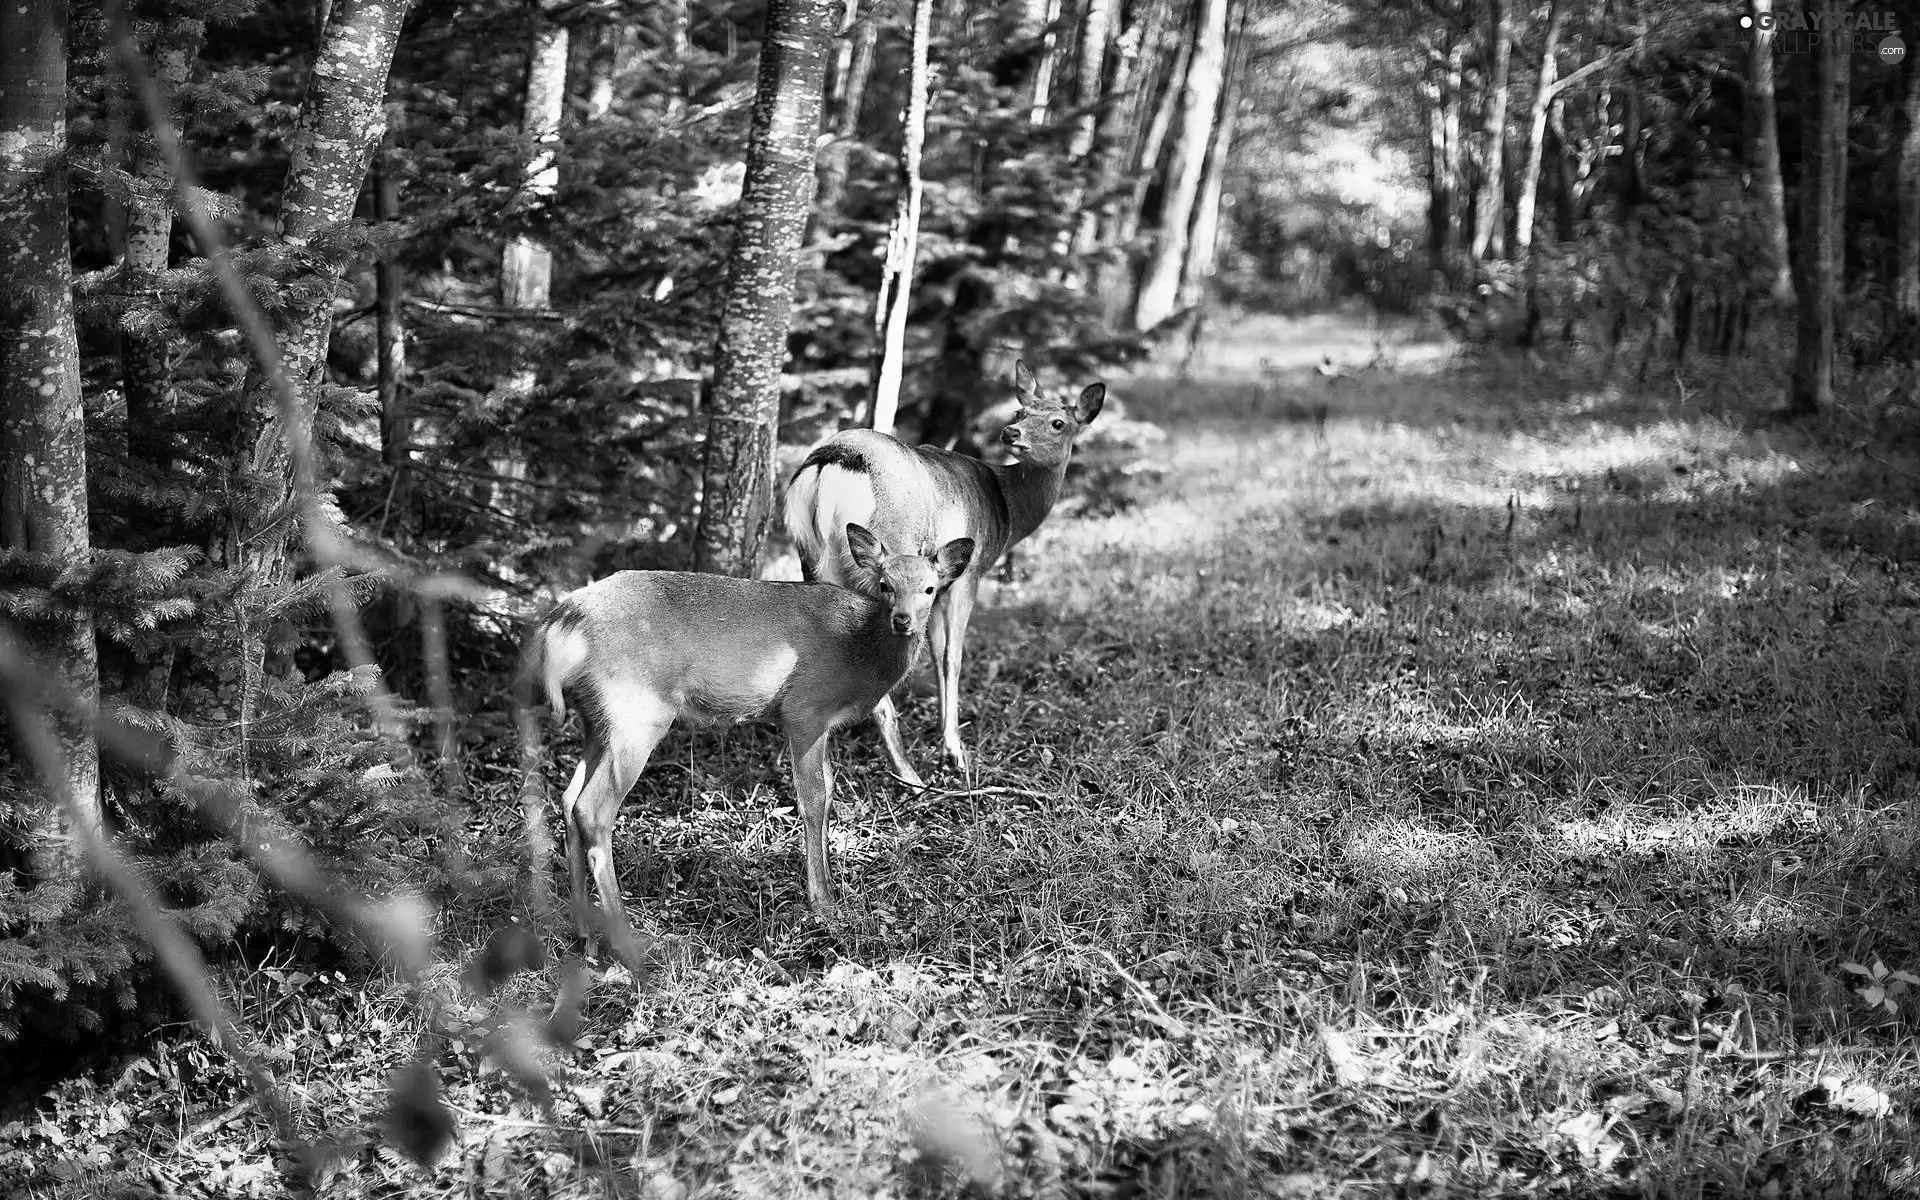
(639, 650)
(917, 496)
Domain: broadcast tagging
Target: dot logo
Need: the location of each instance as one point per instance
(1892, 49)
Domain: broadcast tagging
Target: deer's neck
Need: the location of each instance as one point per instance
(1030, 493)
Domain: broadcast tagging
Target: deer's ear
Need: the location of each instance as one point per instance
(864, 548)
(1023, 381)
(1087, 407)
(953, 559)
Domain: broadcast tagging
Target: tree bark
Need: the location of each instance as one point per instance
(390, 285)
(1160, 287)
(526, 268)
(1489, 213)
(896, 278)
(1143, 150)
(737, 492)
(611, 69)
(853, 66)
(1096, 31)
(342, 119)
(144, 367)
(1906, 288)
(1537, 135)
(1202, 243)
(1763, 155)
(43, 443)
(1822, 221)
(1048, 67)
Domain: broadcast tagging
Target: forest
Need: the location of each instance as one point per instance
(1380, 540)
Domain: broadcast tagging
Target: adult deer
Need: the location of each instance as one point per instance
(639, 650)
(919, 496)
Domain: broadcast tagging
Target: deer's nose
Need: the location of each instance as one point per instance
(902, 623)
(1010, 435)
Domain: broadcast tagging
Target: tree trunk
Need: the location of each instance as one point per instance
(1145, 148)
(1160, 288)
(737, 493)
(1200, 263)
(1822, 221)
(1763, 155)
(43, 442)
(1489, 214)
(680, 52)
(612, 70)
(526, 268)
(853, 66)
(1048, 67)
(1566, 188)
(1096, 30)
(896, 278)
(144, 368)
(1906, 284)
(1101, 133)
(342, 119)
(390, 283)
(1537, 135)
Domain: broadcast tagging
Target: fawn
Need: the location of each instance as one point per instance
(918, 496)
(640, 649)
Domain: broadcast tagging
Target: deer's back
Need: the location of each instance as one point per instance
(923, 496)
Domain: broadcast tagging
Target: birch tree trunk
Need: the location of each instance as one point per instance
(896, 277)
(1095, 33)
(737, 475)
(1543, 92)
(1489, 213)
(1763, 154)
(526, 268)
(1048, 66)
(1160, 287)
(1822, 221)
(390, 335)
(1906, 285)
(1199, 266)
(144, 368)
(342, 119)
(43, 442)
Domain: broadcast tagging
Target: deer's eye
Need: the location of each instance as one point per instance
(1059, 424)
(929, 591)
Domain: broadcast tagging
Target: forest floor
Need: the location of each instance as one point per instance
(1504, 788)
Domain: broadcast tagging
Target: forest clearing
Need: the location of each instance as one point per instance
(1485, 795)
(1407, 512)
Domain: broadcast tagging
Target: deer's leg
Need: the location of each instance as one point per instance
(887, 717)
(813, 786)
(576, 851)
(611, 777)
(947, 632)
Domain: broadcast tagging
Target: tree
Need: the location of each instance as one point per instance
(526, 268)
(1489, 211)
(43, 450)
(1763, 153)
(896, 279)
(342, 119)
(737, 471)
(143, 339)
(1160, 286)
(1823, 197)
(1543, 94)
(1906, 288)
(1202, 250)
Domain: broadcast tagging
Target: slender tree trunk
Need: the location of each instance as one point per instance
(342, 119)
(144, 367)
(43, 442)
(679, 57)
(1147, 147)
(1440, 197)
(1537, 135)
(1096, 30)
(526, 268)
(896, 279)
(1763, 154)
(737, 495)
(1160, 287)
(853, 67)
(612, 71)
(1101, 134)
(1489, 214)
(390, 284)
(1566, 189)
(1822, 221)
(1199, 266)
(1048, 67)
(1906, 285)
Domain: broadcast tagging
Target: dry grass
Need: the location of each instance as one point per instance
(1479, 796)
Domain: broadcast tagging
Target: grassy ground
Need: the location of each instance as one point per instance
(1484, 794)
